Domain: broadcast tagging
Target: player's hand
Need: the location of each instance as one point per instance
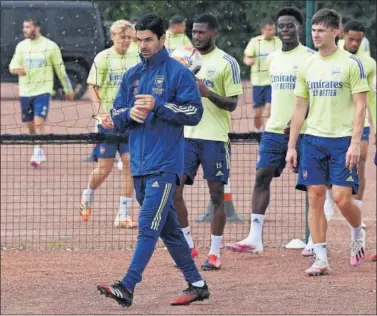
(287, 128)
(291, 159)
(20, 71)
(106, 122)
(353, 155)
(144, 103)
(204, 92)
(138, 114)
(69, 96)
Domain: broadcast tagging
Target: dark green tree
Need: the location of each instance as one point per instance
(239, 20)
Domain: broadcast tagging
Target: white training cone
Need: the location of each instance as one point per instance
(295, 244)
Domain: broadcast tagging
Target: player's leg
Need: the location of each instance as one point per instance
(41, 108)
(157, 204)
(258, 105)
(352, 213)
(215, 159)
(216, 190)
(92, 156)
(105, 154)
(314, 177)
(123, 219)
(31, 127)
(308, 251)
(191, 165)
(118, 291)
(27, 116)
(178, 248)
(329, 202)
(271, 162)
(345, 182)
(374, 256)
(318, 229)
(358, 198)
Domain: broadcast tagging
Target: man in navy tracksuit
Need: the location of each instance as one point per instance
(155, 100)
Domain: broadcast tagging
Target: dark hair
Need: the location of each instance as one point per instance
(328, 17)
(290, 11)
(177, 19)
(209, 19)
(354, 26)
(33, 21)
(345, 19)
(151, 22)
(266, 22)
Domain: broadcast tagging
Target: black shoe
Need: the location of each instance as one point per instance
(117, 292)
(192, 294)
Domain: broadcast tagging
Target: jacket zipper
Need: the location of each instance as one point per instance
(142, 142)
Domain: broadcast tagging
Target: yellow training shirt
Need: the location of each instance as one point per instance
(174, 41)
(259, 48)
(220, 73)
(329, 83)
(107, 72)
(39, 57)
(283, 71)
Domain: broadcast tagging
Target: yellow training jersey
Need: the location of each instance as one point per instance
(107, 72)
(220, 73)
(174, 41)
(363, 49)
(329, 83)
(370, 69)
(39, 57)
(283, 70)
(259, 48)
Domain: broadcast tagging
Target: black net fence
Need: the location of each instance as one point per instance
(40, 207)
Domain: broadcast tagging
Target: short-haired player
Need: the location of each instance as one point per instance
(255, 55)
(207, 144)
(176, 34)
(283, 68)
(335, 85)
(156, 99)
(34, 62)
(352, 38)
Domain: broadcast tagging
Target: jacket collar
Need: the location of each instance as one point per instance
(156, 59)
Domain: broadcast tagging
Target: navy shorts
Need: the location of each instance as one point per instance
(109, 150)
(323, 161)
(261, 96)
(214, 156)
(366, 133)
(273, 151)
(34, 106)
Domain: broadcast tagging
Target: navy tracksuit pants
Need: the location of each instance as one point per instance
(157, 218)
